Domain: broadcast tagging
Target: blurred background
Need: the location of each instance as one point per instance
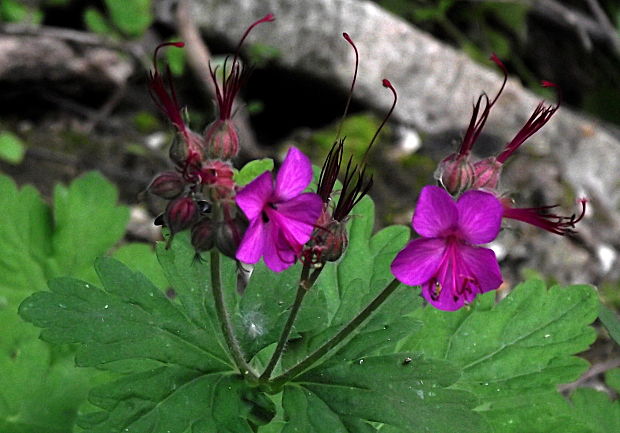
(74, 98)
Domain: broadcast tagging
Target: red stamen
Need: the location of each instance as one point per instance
(538, 216)
(166, 100)
(477, 124)
(386, 83)
(541, 115)
(346, 108)
(267, 18)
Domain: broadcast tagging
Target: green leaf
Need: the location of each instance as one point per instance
(131, 17)
(12, 149)
(45, 243)
(352, 283)
(612, 378)
(190, 279)
(176, 374)
(13, 11)
(252, 170)
(141, 257)
(33, 371)
(611, 321)
(265, 304)
(594, 410)
(171, 400)
(96, 22)
(87, 222)
(410, 395)
(514, 354)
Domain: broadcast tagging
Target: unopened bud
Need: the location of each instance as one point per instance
(222, 140)
(487, 173)
(455, 173)
(179, 150)
(203, 235)
(167, 185)
(228, 235)
(180, 214)
(335, 241)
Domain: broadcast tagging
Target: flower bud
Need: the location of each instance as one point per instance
(168, 185)
(455, 173)
(180, 214)
(179, 150)
(228, 235)
(203, 235)
(487, 173)
(221, 140)
(335, 241)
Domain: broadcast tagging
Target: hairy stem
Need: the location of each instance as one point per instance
(305, 284)
(224, 319)
(338, 338)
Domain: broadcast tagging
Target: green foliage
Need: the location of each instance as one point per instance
(96, 22)
(129, 18)
(514, 354)
(411, 396)
(358, 130)
(595, 411)
(611, 321)
(262, 54)
(132, 18)
(16, 11)
(12, 149)
(252, 170)
(44, 242)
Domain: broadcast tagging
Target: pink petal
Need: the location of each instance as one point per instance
(254, 196)
(298, 216)
(253, 242)
(469, 272)
(480, 216)
(279, 254)
(418, 261)
(294, 176)
(482, 265)
(435, 213)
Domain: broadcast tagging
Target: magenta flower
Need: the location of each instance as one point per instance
(281, 217)
(445, 261)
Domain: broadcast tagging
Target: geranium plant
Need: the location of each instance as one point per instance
(285, 313)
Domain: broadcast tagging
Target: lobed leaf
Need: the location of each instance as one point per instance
(401, 389)
(514, 354)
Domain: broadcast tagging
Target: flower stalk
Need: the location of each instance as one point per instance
(306, 281)
(224, 318)
(345, 332)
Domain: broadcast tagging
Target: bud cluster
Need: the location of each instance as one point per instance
(201, 190)
(457, 174)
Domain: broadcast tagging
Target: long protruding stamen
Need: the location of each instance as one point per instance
(346, 107)
(386, 83)
(541, 115)
(501, 65)
(160, 46)
(267, 18)
(540, 217)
